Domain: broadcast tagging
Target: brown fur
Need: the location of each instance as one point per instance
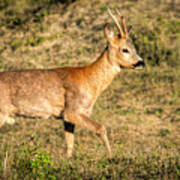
(70, 90)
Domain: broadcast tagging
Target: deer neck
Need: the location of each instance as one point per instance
(103, 71)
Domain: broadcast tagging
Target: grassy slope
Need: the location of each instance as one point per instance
(140, 108)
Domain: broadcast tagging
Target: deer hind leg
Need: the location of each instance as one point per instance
(84, 121)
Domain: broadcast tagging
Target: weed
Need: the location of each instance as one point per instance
(15, 44)
(36, 164)
(14, 21)
(156, 111)
(177, 111)
(103, 8)
(163, 132)
(34, 41)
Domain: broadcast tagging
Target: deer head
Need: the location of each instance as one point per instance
(121, 50)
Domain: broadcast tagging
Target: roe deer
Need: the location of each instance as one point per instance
(70, 92)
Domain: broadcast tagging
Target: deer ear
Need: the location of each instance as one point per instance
(109, 33)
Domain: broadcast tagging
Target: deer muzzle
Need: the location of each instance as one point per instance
(139, 65)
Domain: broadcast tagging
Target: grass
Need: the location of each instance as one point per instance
(140, 108)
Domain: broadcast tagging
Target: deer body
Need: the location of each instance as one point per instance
(69, 91)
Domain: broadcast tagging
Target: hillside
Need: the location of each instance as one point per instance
(141, 109)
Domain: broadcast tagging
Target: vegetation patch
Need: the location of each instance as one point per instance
(140, 108)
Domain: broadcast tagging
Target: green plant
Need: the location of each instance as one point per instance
(15, 44)
(40, 164)
(163, 132)
(33, 164)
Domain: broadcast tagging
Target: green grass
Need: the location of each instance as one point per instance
(31, 164)
(140, 108)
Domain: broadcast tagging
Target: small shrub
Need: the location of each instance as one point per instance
(33, 164)
(40, 164)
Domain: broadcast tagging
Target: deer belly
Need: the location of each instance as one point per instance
(40, 106)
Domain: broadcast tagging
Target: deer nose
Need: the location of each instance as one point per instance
(140, 64)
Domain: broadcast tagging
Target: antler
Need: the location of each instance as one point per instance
(116, 22)
(122, 22)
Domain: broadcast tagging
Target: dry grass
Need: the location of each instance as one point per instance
(140, 108)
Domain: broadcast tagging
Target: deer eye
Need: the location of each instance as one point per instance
(125, 51)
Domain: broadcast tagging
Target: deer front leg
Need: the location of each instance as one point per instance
(84, 121)
(69, 137)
